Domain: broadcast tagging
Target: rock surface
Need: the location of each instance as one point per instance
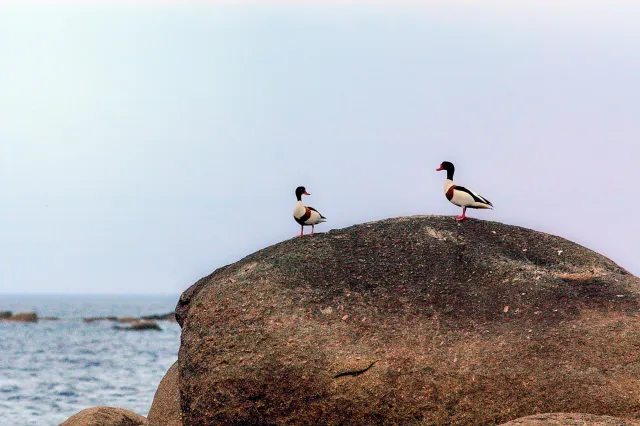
(570, 419)
(165, 410)
(105, 416)
(412, 321)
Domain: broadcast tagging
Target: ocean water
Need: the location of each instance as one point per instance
(53, 369)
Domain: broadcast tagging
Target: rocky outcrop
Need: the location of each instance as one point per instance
(5, 315)
(105, 416)
(140, 326)
(165, 410)
(412, 321)
(22, 317)
(572, 419)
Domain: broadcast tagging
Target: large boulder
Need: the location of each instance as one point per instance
(165, 410)
(105, 416)
(570, 419)
(412, 321)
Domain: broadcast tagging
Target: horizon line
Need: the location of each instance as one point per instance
(89, 294)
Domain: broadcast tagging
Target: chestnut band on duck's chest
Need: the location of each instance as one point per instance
(449, 193)
(302, 219)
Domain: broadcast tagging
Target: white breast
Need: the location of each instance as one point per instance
(447, 184)
(299, 210)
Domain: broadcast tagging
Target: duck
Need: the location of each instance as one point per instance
(461, 196)
(306, 215)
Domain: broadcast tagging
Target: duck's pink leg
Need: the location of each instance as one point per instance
(312, 229)
(301, 230)
(464, 215)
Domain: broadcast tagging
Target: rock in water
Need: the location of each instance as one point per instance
(24, 317)
(95, 319)
(165, 410)
(5, 315)
(140, 326)
(571, 419)
(402, 322)
(105, 416)
(171, 316)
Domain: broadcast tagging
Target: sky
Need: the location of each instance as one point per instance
(143, 146)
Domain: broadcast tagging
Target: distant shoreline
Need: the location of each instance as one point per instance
(177, 295)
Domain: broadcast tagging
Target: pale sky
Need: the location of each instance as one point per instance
(142, 147)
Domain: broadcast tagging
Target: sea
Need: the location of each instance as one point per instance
(50, 370)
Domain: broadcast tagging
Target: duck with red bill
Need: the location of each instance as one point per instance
(305, 215)
(461, 196)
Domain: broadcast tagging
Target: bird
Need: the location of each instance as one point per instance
(461, 196)
(305, 215)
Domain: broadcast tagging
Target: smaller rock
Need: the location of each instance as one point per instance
(165, 410)
(50, 319)
(24, 317)
(140, 325)
(5, 314)
(105, 416)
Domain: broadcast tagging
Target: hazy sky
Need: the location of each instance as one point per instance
(141, 147)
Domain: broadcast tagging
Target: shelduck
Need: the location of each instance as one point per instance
(305, 215)
(461, 196)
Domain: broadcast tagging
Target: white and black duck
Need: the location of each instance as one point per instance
(305, 215)
(461, 196)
